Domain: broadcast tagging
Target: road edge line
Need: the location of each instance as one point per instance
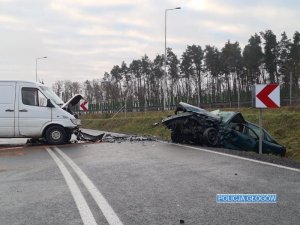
(102, 203)
(235, 156)
(82, 206)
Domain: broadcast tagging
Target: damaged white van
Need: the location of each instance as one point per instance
(32, 110)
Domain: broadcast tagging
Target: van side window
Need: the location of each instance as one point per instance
(33, 97)
(30, 96)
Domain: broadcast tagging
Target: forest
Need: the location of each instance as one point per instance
(201, 75)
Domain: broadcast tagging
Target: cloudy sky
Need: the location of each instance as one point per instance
(84, 38)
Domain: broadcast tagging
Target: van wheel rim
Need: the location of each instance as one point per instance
(56, 135)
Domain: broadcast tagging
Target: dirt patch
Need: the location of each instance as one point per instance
(12, 153)
(2, 170)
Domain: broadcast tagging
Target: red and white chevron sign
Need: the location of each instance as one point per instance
(267, 96)
(84, 105)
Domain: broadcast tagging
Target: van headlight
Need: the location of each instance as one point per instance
(76, 122)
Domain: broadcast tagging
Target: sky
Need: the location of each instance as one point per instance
(82, 39)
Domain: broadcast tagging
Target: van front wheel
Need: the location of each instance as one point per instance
(55, 135)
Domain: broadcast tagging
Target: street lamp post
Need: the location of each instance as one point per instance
(36, 59)
(291, 83)
(165, 94)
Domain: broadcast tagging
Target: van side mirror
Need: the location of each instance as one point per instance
(49, 104)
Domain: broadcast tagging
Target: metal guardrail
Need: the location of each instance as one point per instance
(120, 106)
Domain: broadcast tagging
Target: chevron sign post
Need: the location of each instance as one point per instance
(267, 96)
(84, 105)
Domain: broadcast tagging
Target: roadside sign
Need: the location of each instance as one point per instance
(267, 96)
(84, 105)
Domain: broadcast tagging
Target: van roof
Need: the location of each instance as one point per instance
(21, 81)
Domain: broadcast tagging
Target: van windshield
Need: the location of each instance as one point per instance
(51, 95)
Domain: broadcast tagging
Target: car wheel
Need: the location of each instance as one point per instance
(176, 136)
(55, 135)
(211, 136)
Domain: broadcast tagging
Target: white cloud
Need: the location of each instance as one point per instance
(8, 19)
(84, 38)
(98, 31)
(99, 2)
(45, 31)
(74, 13)
(12, 23)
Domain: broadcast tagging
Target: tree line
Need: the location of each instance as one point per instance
(201, 74)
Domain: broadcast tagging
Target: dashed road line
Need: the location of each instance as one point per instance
(104, 206)
(83, 208)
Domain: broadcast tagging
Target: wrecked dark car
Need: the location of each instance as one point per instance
(225, 129)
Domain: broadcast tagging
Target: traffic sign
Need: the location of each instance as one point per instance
(267, 96)
(84, 105)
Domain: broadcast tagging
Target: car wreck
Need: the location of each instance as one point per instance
(226, 129)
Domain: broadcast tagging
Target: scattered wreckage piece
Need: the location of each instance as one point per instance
(225, 129)
(111, 138)
(81, 136)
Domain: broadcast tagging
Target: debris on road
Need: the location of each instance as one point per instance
(81, 136)
(111, 138)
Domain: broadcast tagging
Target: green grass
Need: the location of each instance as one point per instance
(283, 124)
(133, 123)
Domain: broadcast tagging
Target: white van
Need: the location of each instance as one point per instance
(32, 110)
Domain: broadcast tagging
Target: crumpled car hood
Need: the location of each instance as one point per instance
(190, 108)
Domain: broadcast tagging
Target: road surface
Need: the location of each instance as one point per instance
(136, 183)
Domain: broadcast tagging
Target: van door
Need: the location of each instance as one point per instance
(32, 111)
(7, 109)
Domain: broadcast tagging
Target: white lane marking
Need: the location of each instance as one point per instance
(104, 206)
(83, 208)
(237, 157)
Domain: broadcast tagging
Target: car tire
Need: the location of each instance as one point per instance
(176, 136)
(211, 136)
(55, 135)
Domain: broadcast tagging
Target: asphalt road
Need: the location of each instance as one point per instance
(139, 183)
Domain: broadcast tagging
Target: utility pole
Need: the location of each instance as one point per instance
(291, 84)
(36, 61)
(165, 94)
